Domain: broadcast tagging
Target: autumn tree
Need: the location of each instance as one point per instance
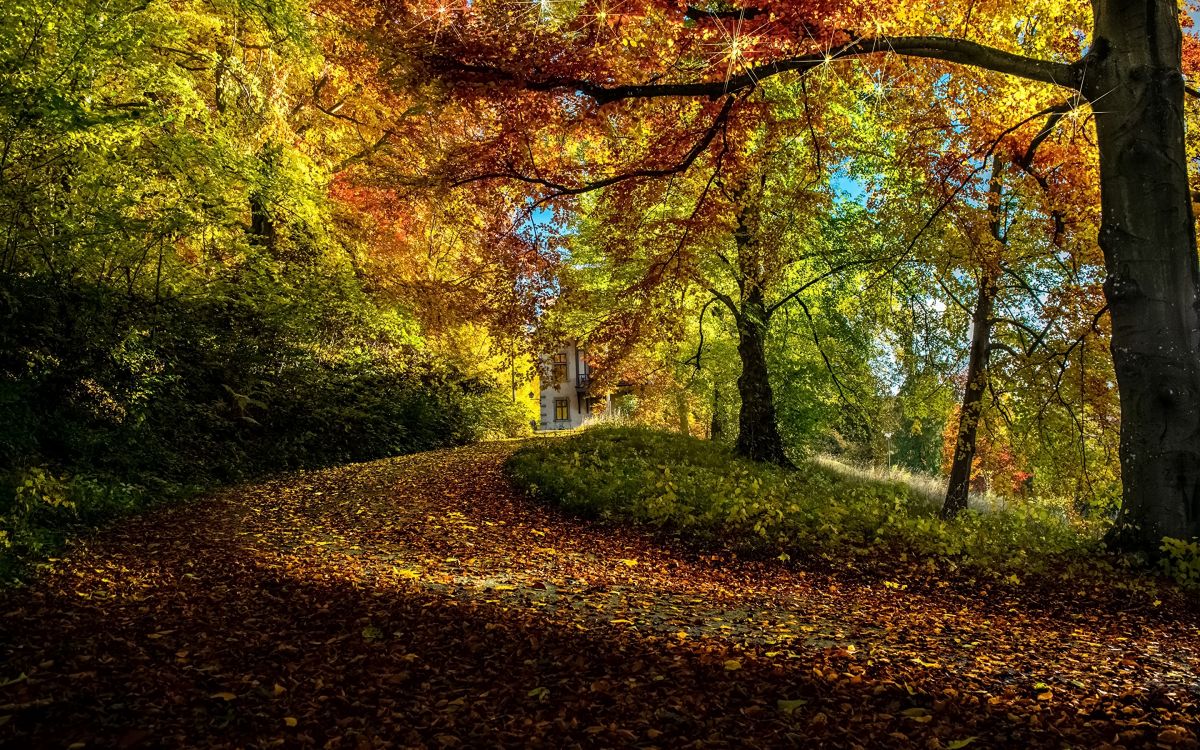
(746, 231)
(1001, 253)
(579, 61)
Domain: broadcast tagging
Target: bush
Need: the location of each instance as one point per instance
(37, 507)
(1181, 561)
(700, 490)
(108, 399)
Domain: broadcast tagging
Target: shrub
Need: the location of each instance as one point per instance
(109, 399)
(37, 507)
(1181, 561)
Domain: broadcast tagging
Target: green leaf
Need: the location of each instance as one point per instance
(789, 707)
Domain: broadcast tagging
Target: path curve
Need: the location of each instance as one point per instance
(421, 602)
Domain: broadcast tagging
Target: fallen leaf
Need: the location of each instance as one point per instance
(788, 707)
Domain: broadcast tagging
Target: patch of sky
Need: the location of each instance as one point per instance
(846, 186)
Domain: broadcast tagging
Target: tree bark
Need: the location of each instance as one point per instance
(758, 434)
(958, 489)
(1135, 80)
(263, 230)
(681, 412)
(714, 426)
(262, 224)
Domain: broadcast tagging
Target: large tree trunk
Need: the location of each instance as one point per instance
(959, 487)
(758, 435)
(1153, 285)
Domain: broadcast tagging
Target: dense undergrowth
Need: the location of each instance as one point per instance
(700, 491)
(110, 404)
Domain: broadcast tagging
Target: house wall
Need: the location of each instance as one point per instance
(569, 389)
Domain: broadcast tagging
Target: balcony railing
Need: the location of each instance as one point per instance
(581, 380)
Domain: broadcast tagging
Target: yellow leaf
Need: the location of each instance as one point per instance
(223, 696)
(290, 721)
(960, 744)
(732, 665)
(630, 563)
(279, 689)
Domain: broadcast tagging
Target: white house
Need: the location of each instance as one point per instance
(566, 399)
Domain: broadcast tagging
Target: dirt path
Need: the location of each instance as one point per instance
(421, 602)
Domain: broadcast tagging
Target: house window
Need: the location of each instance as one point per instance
(562, 410)
(560, 368)
(593, 405)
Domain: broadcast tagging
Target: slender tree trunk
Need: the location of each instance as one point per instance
(959, 487)
(681, 412)
(262, 224)
(715, 432)
(1153, 286)
(263, 230)
(758, 434)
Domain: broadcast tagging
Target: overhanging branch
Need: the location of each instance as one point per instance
(947, 49)
(559, 190)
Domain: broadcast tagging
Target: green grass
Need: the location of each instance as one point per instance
(699, 490)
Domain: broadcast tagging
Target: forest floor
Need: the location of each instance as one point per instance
(421, 602)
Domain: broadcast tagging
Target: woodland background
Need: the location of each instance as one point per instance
(241, 236)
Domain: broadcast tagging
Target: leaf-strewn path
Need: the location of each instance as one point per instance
(420, 602)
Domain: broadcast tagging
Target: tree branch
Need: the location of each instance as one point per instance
(727, 301)
(695, 358)
(837, 382)
(559, 190)
(365, 153)
(947, 49)
(817, 279)
(693, 13)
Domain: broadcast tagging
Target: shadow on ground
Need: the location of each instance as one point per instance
(418, 602)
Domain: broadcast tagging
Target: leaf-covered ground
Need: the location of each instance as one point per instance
(421, 602)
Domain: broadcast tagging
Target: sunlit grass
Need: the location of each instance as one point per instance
(699, 490)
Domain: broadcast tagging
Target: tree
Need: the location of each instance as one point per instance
(1130, 68)
(744, 231)
(993, 259)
